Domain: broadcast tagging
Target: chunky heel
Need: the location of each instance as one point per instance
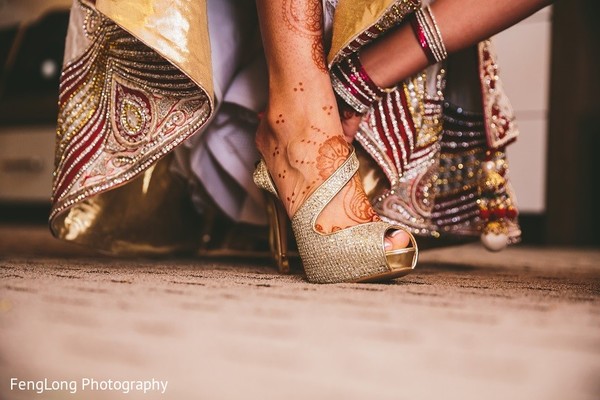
(278, 237)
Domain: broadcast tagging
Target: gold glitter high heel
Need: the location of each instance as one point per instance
(354, 254)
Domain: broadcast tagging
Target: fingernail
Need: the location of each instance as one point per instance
(387, 245)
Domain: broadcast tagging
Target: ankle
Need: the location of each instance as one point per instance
(277, 137)
(299, 120)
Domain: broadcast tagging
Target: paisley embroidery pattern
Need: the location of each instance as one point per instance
(121, 108)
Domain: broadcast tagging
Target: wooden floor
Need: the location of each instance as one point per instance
(468, 324)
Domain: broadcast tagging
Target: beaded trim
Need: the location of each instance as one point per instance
(394, 15)
(500, 123)
(121, 108)
(352, 83)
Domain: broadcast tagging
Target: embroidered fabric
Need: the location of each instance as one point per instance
(124, 107)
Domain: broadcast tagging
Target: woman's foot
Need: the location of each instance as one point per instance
(300, 136)
(302, 144)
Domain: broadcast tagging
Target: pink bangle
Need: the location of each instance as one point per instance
(428, 35)
(420, 34)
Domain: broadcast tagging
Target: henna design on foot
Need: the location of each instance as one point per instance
(356, 205)
(332, 153)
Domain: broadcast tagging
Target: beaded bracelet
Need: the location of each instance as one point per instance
(428, 34)
(353, 85)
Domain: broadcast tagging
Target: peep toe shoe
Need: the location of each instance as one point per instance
(354, 254)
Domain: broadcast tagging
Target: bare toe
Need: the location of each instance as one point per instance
(397, 239)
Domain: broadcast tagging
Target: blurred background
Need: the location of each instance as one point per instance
(549, 64)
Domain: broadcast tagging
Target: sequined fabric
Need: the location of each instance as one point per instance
(133, 89)
(122, 107)
(427, 170)
(458, 188)
(431, 153)
(501, 128)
